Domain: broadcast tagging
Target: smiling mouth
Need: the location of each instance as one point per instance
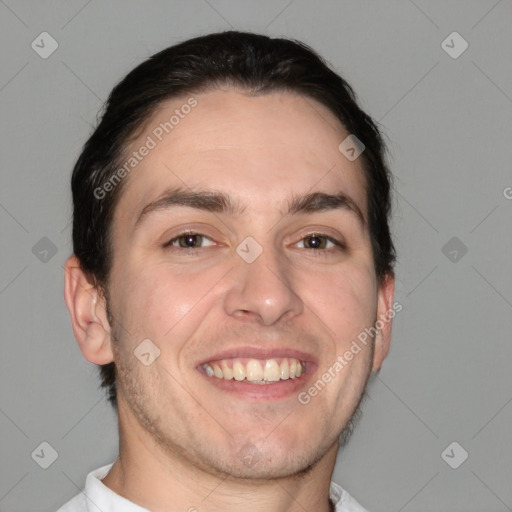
(256, 371)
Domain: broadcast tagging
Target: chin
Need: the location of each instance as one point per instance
(268, 461)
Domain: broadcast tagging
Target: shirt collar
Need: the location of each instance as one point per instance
(101, 498)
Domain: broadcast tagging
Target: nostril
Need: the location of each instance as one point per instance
(246, 313)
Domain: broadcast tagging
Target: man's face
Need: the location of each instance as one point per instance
(187, 278)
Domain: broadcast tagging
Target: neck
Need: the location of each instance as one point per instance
(163, 481)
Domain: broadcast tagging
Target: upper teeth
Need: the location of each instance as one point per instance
(255, 370)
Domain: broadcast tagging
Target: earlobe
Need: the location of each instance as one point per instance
(87, 309)
(385, 315)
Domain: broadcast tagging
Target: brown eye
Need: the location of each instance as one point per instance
(189, 241)
(315, 242)
(321, 242)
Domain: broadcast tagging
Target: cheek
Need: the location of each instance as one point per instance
(162, 304)
(345, 300)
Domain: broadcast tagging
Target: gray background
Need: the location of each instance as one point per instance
(448, 122)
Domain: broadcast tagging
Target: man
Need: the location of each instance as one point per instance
(232, 275)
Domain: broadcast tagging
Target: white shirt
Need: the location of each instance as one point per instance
(97, 497)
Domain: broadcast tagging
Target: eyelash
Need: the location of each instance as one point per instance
(168, 245)
(337, 244)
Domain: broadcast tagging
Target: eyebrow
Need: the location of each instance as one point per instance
(321, 201)
(218, 202)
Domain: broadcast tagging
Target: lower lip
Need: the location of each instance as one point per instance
(247, 390)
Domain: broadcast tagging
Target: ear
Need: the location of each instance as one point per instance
(87, 309)
(385, 315)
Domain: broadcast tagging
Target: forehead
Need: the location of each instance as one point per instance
(256, 148)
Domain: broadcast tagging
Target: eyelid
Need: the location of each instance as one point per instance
(338, 244)
(188, 227)
(321, 231)
(177, 236)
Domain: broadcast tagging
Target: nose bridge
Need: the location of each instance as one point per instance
(262, 283)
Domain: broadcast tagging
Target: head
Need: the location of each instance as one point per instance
(241, 135)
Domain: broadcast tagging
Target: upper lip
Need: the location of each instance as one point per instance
(255, 352)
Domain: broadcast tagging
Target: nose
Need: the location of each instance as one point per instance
(262, 291)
